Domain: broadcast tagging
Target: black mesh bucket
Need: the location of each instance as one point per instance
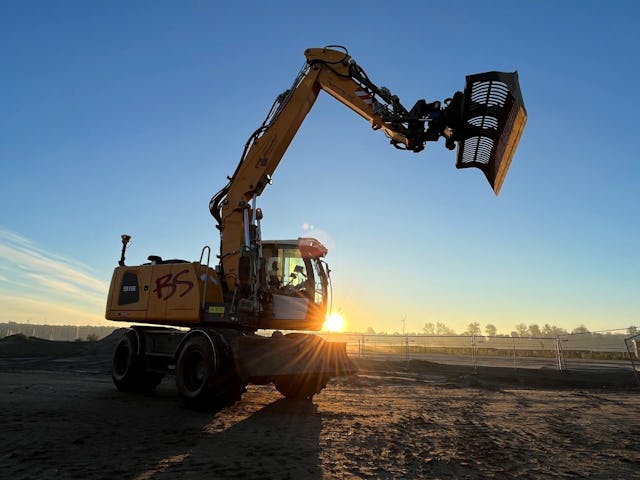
(493, 120)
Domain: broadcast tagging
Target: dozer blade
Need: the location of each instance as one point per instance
(493, 120)
(259, 357)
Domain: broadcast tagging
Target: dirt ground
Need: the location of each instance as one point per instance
(62, 418)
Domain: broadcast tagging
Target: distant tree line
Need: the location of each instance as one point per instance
(490, 330)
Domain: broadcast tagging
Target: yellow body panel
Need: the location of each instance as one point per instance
(167, 293)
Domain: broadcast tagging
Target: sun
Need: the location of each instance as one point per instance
(334, 322)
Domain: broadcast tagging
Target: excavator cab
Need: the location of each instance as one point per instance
(298, 283)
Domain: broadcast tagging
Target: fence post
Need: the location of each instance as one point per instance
(473, 353)
(635, 346)
(515, 363)
(406, 347)
(559, 354)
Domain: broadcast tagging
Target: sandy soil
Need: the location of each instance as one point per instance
(62, 418)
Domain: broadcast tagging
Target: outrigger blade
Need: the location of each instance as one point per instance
(259, 358)
(494, 117)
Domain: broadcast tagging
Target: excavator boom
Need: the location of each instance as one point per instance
(485, 122)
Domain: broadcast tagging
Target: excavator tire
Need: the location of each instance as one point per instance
(128, 369)
(301, 387)
(205, 375)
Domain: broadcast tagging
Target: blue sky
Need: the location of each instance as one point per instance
(127, 116)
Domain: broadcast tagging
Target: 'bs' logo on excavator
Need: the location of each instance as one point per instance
(171, 282)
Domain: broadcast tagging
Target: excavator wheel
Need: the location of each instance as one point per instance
(128, 369)
(205, 375)
(302, 387)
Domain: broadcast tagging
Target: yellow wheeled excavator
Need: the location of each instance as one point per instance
(283, 285)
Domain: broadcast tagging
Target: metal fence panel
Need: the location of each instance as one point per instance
(595, 349)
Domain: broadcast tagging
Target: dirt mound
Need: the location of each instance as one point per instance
(106, 345)
(22, 346)
(22, 352)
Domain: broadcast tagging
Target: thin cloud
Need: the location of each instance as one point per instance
(12, 237)
(24, 256)
(64, 287)
(32, 275)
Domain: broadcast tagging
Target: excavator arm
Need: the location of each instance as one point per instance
(485, 122)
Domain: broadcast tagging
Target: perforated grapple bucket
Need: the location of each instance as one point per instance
(494, 117)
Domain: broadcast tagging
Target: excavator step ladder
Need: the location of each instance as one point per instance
(494, 118)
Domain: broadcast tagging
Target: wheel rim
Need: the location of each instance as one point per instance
(121, 359)
(195, 372)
